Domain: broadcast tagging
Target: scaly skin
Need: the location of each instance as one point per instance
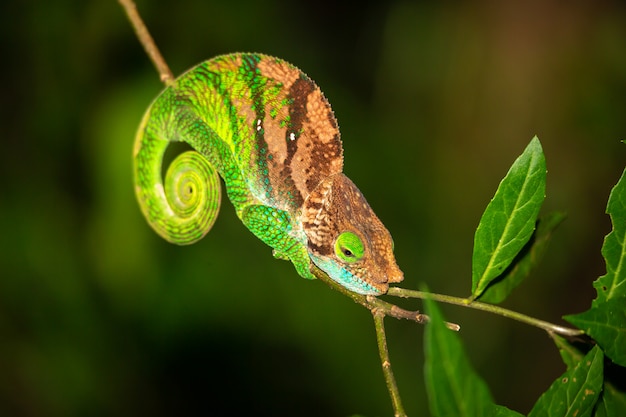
(267, 130)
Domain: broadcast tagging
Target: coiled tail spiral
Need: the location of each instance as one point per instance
(184, 205)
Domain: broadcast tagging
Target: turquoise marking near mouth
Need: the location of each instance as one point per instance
(344, 277)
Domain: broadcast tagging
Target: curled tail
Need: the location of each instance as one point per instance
(183, 205)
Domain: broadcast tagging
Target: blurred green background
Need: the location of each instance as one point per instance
(99, 316)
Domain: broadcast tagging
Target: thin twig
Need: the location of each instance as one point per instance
(148, 43)
(547, 326)
(374, 303)
(381, 338)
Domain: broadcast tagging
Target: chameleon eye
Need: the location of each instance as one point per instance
(348, 247)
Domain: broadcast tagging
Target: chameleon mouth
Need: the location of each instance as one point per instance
(360, 286)
(347, 279)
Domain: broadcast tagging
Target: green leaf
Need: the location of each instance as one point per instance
(612, 401)
(613, 284)
(526, 260)
(576, 392)
(453, 388)
(606, 323)
(509, 219)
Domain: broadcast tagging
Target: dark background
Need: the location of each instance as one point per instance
(99, 316)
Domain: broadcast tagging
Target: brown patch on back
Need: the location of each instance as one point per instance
(279, 70)
(301, 134)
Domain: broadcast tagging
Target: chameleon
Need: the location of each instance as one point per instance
(267, 130)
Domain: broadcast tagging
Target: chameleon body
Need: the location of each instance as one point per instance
(267, 130)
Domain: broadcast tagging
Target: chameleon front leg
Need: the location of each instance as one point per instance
(273, 227)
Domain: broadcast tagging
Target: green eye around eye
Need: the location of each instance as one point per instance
(348, 247)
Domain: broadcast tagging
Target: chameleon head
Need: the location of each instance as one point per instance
(346, 240)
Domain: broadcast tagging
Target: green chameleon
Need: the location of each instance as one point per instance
(269, 132)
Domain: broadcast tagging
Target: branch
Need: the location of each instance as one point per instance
(477, 305)
(373, 303)
(381, 338)
(148, 43)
